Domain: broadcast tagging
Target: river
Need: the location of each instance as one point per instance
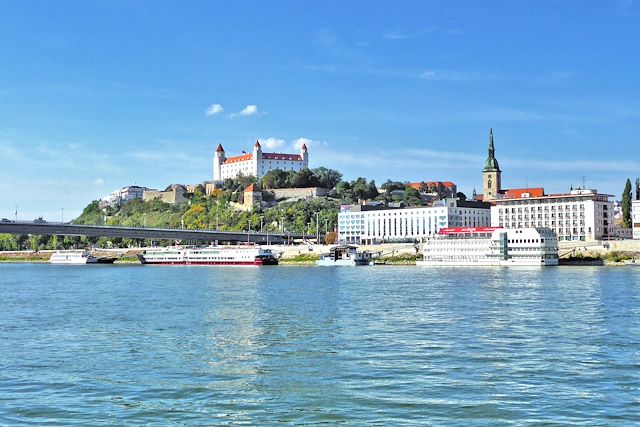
(126, 345)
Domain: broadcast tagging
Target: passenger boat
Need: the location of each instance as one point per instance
(209, 255)
(78, 257)
(345, 255)
(490, 246)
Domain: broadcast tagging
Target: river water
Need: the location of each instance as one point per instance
(126, 345)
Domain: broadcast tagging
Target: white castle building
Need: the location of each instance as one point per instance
(257, 163)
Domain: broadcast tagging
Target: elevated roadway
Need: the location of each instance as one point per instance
(59, 229)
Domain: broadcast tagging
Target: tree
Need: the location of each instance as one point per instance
(390, 186)
(276, 178)
(626, 204)
(412, 197)
(327, 178)
(304, 178)
(637, 188)
(330, 238)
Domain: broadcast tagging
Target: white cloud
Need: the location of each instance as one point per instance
(214, 109)
(249, 110)
(298, 143)
(98, 181)
(272, 142)
(455, 76)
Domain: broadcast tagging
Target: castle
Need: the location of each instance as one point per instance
(257, 163)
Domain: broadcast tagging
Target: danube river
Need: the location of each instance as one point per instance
(122, 345)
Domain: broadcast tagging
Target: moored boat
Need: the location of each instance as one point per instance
(75, 257)
(210, 255)
(489, 246)
(345, 255)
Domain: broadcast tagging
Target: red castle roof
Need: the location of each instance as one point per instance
(521, 193)
(219, 149)
(241, 158)
(418, 185)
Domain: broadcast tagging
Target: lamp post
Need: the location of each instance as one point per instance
(261, 222)
(317, 228)
(326, 225)
(62, 215)
(249, 229)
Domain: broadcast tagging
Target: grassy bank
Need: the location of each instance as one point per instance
(35, 257)
(398, 260)
(301, 259)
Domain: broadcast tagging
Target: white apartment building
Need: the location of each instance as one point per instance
(635, 218)
(580, 215)
(257, 163)
(366, 225)
(118, 197)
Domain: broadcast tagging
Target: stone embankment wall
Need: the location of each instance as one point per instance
(298, 193)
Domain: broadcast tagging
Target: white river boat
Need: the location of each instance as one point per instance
(490, 246)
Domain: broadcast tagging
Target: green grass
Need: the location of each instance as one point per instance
(301, 259)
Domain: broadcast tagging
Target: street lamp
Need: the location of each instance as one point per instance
(62, 215)
(317, 228)
(261, 222)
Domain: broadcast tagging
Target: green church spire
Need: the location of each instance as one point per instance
(491, 165)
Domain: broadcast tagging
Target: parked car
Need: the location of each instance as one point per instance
(39, 220)
(5, 220)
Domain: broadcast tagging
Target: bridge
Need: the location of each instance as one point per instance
(60, 229)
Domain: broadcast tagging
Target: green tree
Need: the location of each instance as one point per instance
(390, 186)
(327, 178)
(626, 204)
(412, 197)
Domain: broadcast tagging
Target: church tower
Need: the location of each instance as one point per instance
(491, 174)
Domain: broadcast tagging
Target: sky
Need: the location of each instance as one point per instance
(99, 94)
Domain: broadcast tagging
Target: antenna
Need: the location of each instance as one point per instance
(584, 180)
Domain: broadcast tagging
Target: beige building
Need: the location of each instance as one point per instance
(176, 195)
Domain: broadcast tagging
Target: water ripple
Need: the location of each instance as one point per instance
(119, 345)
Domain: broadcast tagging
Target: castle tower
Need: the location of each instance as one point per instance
(491, 174)
(218, 160)
(304, 153)
(256, 160)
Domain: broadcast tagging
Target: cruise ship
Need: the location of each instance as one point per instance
(210, 255)
(491, 246)
(78, 257)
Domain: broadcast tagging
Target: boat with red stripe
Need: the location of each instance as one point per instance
(247, 255)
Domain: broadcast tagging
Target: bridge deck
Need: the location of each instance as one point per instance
(59, 229)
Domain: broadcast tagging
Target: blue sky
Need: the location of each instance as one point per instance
(96, 95)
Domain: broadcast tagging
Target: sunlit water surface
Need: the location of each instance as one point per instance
(122, 345)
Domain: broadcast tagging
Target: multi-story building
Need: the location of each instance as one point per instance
(580, 215)
(119, 197)
(257, 163)
(635, 218)
(367, 224)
